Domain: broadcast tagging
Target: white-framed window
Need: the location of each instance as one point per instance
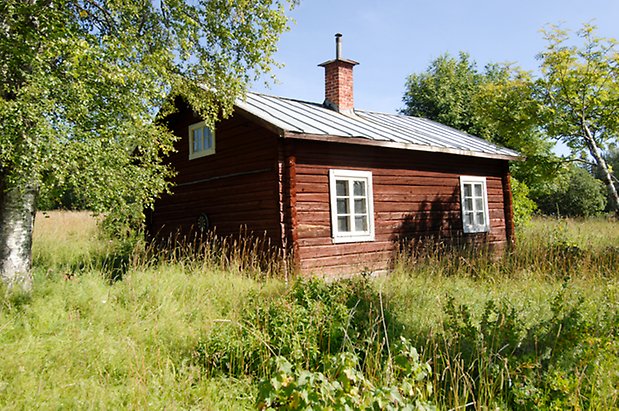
(474, 204)
(352, 206)
(201, 140)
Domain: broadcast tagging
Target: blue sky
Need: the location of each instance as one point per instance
(392, 39)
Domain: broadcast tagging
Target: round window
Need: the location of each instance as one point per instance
(203, 223)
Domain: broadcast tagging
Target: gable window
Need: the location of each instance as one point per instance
(201, 140)
(352, 208)
(474, 204)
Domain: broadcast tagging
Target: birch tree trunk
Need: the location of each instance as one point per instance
(17, 210)
(599, 159)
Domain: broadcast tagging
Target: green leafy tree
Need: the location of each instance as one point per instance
(578, 195)
(506, 107)
(81, 82)
(579, 94)
(444, 93)
(496, 104)
(60, 198)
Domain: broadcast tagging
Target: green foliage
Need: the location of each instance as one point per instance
(581, 195)
(536, 329)
(550, 364)
(578, 93)
(343, 386)
(444, 93)
(579, 86)
(83, 81)
(313, 320)
(523, 205)
(60, 198)
(496, 104)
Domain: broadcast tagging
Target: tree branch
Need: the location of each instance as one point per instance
(578, 160)
(109, 19)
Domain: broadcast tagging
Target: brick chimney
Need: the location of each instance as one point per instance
(338, 81)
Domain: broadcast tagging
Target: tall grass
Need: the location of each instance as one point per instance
(81, 341)
(198, 327)
(65, 241)
(243, 253)
(535, 329)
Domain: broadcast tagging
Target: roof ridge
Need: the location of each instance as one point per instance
(286, 98)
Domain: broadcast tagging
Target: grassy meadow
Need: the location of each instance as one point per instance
(111, 326)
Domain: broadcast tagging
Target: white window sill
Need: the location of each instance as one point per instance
(474, 230)
(199, 154)
(352, 239)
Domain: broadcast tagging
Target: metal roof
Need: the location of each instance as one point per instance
(306, 120)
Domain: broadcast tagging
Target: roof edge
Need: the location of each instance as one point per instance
(405, 146)
(269, 125)
(282, 129)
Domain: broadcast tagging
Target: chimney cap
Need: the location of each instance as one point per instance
(338, 53)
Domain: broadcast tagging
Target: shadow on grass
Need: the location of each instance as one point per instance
(113, 262)
(13, 300)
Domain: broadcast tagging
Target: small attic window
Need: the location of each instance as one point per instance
(201, 140)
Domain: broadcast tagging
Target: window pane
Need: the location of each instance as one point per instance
(359, 188)
(467, 190)
(341, 187)
(361, 223)
(208, 139)
(468, 204)
(197, 140)
(468, 218)
(481, 219)
(477, 190)
(342, 206)
(342, 224)
(479, 204)
(360, 207)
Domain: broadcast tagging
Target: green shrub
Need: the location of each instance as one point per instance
(311, 321)
(343, 386)
(524, 207)
(551, 364)
(582, 195)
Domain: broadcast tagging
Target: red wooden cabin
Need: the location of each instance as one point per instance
(338, 187)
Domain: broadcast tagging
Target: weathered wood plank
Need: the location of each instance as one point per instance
(229, 199)
(414, 195)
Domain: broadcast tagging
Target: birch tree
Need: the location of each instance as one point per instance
(579, 94)
(81, 82)
(495, 103)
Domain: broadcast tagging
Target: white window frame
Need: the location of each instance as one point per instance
(475, 227)
(203, 152)
(350, 176)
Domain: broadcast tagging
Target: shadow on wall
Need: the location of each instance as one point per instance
(435, 229)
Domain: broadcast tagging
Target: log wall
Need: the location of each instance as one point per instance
(416, 195)
(236, 187)
(280, 188)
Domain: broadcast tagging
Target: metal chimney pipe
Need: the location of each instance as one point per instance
(338, 46)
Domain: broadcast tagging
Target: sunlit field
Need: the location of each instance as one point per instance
(112, 325)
